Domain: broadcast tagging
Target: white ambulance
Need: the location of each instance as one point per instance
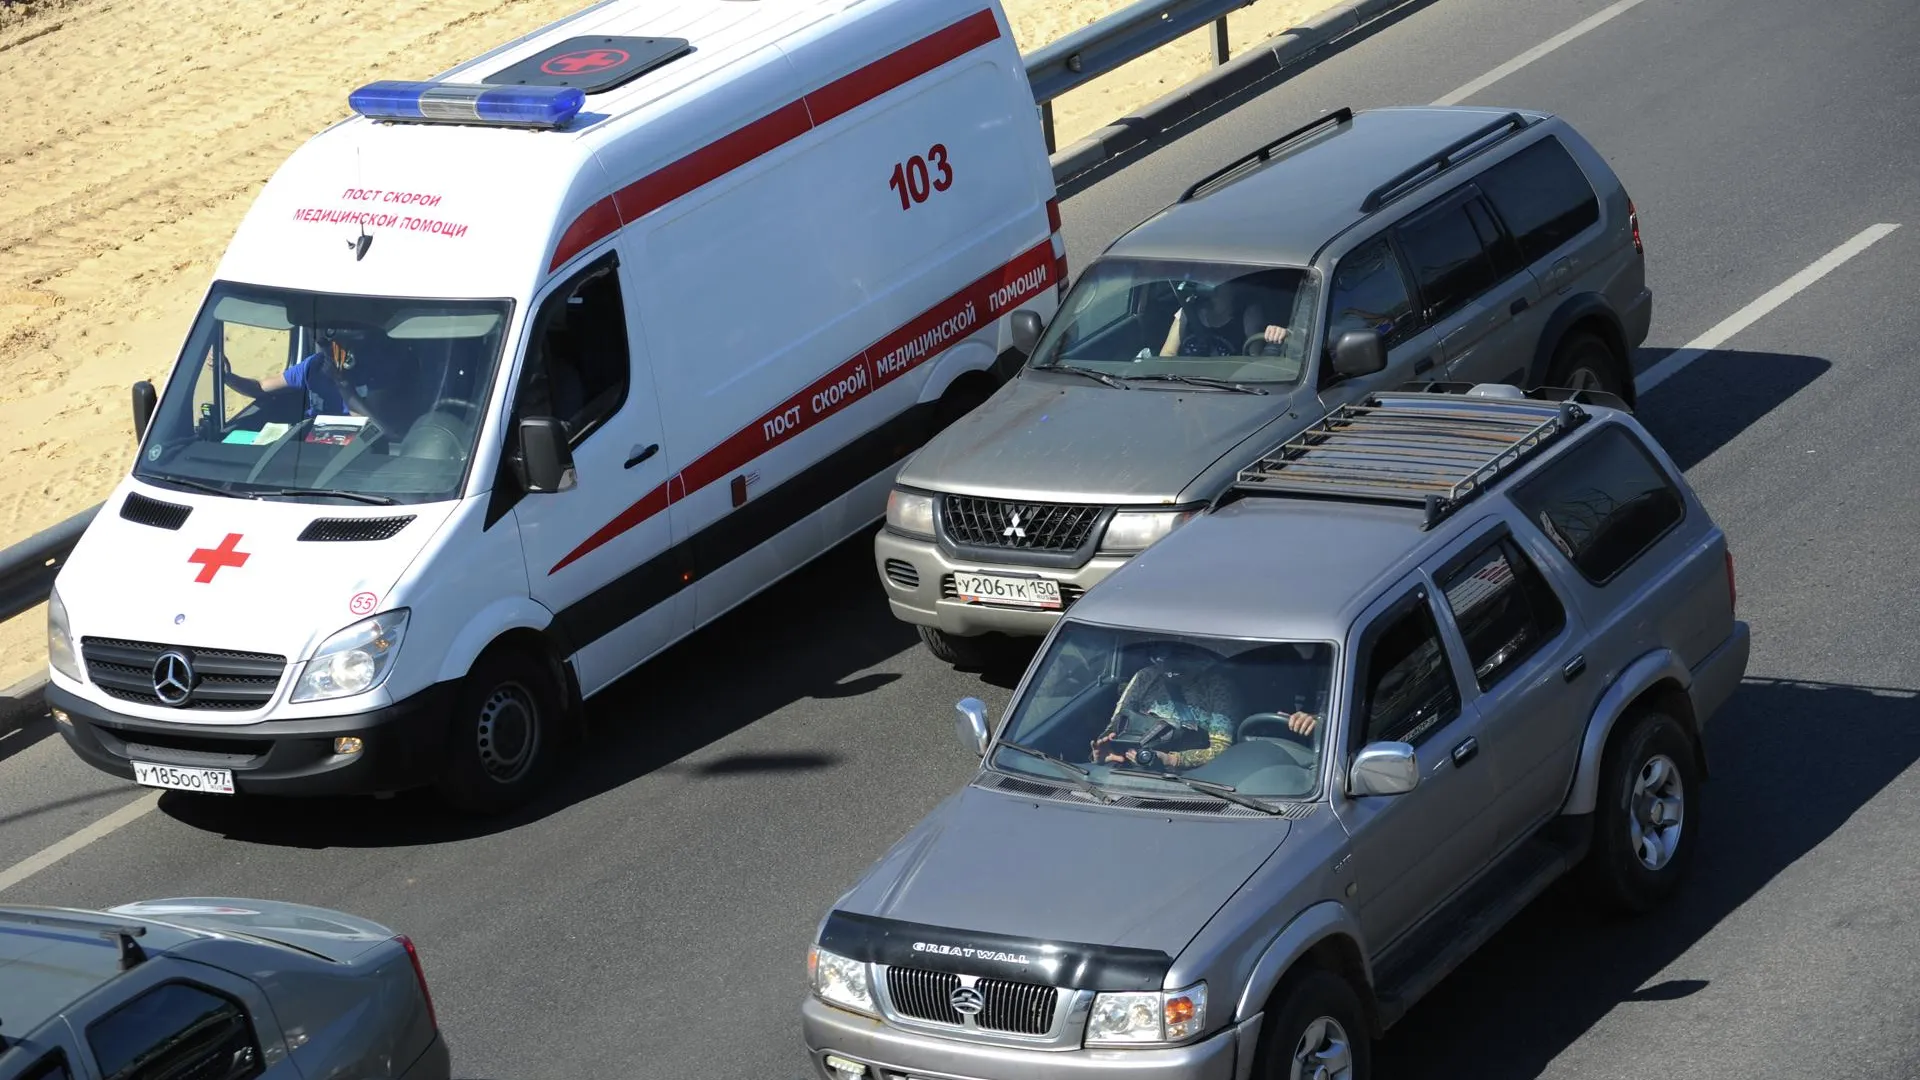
(518, 376)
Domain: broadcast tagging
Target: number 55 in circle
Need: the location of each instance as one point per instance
(916, 179)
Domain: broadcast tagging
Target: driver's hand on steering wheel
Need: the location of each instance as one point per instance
(1302, 723)
(1275, 334)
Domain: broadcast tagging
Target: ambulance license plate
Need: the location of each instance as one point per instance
(212, 781)
(990, 589)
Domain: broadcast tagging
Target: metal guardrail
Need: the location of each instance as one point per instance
(27, 569)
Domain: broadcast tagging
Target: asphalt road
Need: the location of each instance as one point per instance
(652, 919)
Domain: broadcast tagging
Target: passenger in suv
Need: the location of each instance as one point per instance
(1514, 629)
(1364, 251)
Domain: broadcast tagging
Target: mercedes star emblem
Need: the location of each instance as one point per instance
(172, 678)
(966, 1000)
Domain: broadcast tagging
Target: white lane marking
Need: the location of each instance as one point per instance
(1537, 52)
(1767, 301)
(53, 853)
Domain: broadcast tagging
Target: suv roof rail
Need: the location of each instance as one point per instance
(1409, 447)
(121, 933)
(1341, 115)
(1440, 161)
(1539, 393)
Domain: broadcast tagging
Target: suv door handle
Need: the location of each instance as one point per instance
(1574, 667)
(1422, 364)
(1517, 306)
(640, 455)
(1465, 751)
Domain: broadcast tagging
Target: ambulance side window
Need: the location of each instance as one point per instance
(578, 368)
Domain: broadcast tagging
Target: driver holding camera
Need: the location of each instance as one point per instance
(1207, 328)
(1167, 720)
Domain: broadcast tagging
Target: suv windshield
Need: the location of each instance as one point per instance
(1247, 714)
(290, 394)
(1127, 318)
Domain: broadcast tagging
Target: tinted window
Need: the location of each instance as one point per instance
(579, 367)
(1542, 196)
(1409, 688)
(1369, 293)
(1449, 263)
(1602, 503)
(51, 1067)
(1504, 608)
(176, 1031)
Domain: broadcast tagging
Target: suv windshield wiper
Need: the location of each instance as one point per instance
(196, 485)
(1082, 779)
(337, 493)
(1097, 376)
(1207, 786)
(1197, 380)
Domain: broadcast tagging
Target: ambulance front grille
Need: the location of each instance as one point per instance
(355, 528)
(220, 678)
(141, 510)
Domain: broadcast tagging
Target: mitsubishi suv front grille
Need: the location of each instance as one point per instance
(1012, 1007)
(210, 678)
(1025, 526)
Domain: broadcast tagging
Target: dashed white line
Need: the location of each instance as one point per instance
(53, 853)
(1538, 51)
(1766, 302)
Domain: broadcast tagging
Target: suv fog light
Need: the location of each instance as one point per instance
(848, 1069)
(347, 744)
(60, 717)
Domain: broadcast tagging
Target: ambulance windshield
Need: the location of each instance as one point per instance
(285, 394)
(1151, 319)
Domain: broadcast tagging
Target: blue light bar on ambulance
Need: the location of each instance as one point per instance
(467, 103)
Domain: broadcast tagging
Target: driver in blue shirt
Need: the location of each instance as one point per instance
(327, 375)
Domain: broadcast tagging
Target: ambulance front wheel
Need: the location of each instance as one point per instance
(505, 733)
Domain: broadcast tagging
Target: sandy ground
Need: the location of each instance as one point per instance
(138, 132)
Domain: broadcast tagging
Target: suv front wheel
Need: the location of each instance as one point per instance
(1584, 362)
(966, 653)
(1316, 1029)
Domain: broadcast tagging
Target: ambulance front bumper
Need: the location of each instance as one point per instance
(402, 745)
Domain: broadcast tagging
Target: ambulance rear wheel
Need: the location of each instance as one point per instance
(505, 733)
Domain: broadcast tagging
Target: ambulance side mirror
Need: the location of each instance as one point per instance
(545, 462)
(1026, 331)
(144, 399)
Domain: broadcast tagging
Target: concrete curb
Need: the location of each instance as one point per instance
(22, 701)
(1277, 57)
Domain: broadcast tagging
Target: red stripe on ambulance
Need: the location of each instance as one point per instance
(926, 336)
(781, 126)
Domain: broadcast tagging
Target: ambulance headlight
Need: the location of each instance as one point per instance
(911, 513)
(60, 651)
(355, 660)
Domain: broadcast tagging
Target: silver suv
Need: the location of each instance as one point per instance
(1270, 782)
(1361, 252)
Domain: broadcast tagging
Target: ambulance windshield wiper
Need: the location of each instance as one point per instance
(1082, 781)
(1097, 376)
(197, 485)
(337, 493)
(1206, 786)
(1197, 380)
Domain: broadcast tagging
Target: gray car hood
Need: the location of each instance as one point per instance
(987, 869)
(1060, 438)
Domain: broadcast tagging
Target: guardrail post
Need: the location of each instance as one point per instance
(1220, 41)
(1046, 124)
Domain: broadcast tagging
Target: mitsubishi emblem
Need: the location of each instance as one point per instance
(966, 1000)
(172, 678)
(1013, 528)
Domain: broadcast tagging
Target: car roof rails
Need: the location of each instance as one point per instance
(122, 934)
(1539, 393)
(1442, 160)
(1411, 447)
(1342, 115)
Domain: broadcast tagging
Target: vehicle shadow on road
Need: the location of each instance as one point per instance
(813, 636)
(1560, 968)
(1718, 396)
(24, 721)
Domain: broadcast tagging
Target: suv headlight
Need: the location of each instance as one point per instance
(60, 651)
(1154, 1018)
(837, 980)
(355, 660)
(910, 512)
(1133, 531)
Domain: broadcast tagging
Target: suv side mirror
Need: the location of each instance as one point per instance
(971, 725)
(144, 399)
(1359, 352)
(545, 463)
(1383, 768)
(1026, 331)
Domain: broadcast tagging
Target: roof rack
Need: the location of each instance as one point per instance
(1342, 115)
(1508, 390)
(1409, 447)
(1441, 161)
(120, 933)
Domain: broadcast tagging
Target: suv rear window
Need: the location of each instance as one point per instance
(1542, 196)
(1603, 504)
